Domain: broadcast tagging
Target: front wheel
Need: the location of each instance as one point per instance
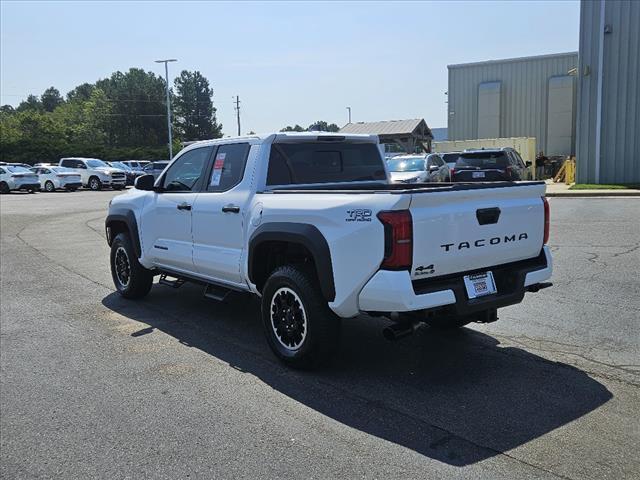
(131, 279)
(49, 186)
(300, 328)
(95, 184)
(4, 188)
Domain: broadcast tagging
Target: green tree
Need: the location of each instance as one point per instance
(7, 109)
(31, 103)
(81, 93)
(195, 115)
(322, 126)
(296, 128)
(51, 99)
(138, 115)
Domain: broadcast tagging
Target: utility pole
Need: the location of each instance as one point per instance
(237, 108)
(166, 78)
(349, 108)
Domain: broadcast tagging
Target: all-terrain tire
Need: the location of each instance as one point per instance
(300, 328)
(131, 279)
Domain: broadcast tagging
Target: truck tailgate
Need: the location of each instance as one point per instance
(463, 230)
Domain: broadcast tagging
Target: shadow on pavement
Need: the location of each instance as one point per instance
(458, 398)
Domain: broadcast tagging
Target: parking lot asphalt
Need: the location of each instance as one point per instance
(178, 386)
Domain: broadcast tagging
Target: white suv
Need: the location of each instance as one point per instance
(95, 173)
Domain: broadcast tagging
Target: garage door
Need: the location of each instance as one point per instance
(560, 116)
(489, 110)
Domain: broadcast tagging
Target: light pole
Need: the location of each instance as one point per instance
(166, 77)
(349, 108)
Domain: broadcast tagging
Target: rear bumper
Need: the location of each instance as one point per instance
(389, 291)
(28, 186)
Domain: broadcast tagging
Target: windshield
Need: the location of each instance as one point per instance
(97, 164)
(405, 164)
(120, 165)
(483, 160)
(14, 169)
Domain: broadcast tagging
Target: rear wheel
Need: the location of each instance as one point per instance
(300, 328)
(49, 186)
(95, 183)
(131, 279)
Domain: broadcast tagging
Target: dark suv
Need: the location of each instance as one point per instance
(490, 165)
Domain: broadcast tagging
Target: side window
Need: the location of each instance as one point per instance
(185, 173)
(228, 167)
(431, 161)
(65, 163)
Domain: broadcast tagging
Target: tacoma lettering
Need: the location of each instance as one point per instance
(481, 242)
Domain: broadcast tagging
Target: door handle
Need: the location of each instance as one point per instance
(231, 209)
(184, 206)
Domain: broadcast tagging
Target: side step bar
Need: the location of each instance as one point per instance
(177, 283)
(215, 292)
(212, 291)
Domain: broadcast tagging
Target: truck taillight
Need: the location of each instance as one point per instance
(398, 239)
(546, 221)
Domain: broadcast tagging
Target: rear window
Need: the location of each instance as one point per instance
(16, 169)
(450, 157)
(322, 162)
(483, 160)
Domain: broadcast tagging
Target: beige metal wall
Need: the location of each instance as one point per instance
(523, 105)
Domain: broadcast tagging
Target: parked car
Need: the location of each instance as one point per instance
(490, 165)
(450, 158)
(426, 168)
(131, 173)
(95, 173)
(136, 164)
(310, 225)
(155, 168)
(13, 177)
(54, 178)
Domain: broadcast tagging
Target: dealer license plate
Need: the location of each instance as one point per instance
(480, 284)
(477, 174)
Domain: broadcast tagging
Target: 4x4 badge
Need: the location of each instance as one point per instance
(428, 270)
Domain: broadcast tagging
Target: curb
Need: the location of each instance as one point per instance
(594, 193)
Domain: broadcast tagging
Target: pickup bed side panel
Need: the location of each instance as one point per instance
(348, 223)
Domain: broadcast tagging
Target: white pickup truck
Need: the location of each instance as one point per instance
(310, 223)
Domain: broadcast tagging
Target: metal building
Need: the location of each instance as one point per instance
(608, 147)
(517, 97)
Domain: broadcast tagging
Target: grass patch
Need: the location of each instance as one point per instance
(596, 186)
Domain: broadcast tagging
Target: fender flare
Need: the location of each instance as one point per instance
(304, 234)
(126, 216)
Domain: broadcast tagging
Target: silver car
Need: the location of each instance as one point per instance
(419, 168)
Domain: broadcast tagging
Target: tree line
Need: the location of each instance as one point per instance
(116, 118)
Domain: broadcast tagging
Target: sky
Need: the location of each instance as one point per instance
(290, 62)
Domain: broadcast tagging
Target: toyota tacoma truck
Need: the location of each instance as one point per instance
(310, 224)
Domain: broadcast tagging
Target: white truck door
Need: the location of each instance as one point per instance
(219, 213)
(167, 217)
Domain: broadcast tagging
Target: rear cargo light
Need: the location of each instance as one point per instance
(398, 239)
(546, 220)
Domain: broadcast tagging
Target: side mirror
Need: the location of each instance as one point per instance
(144, 182)
(528, 164)
(433, 168)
